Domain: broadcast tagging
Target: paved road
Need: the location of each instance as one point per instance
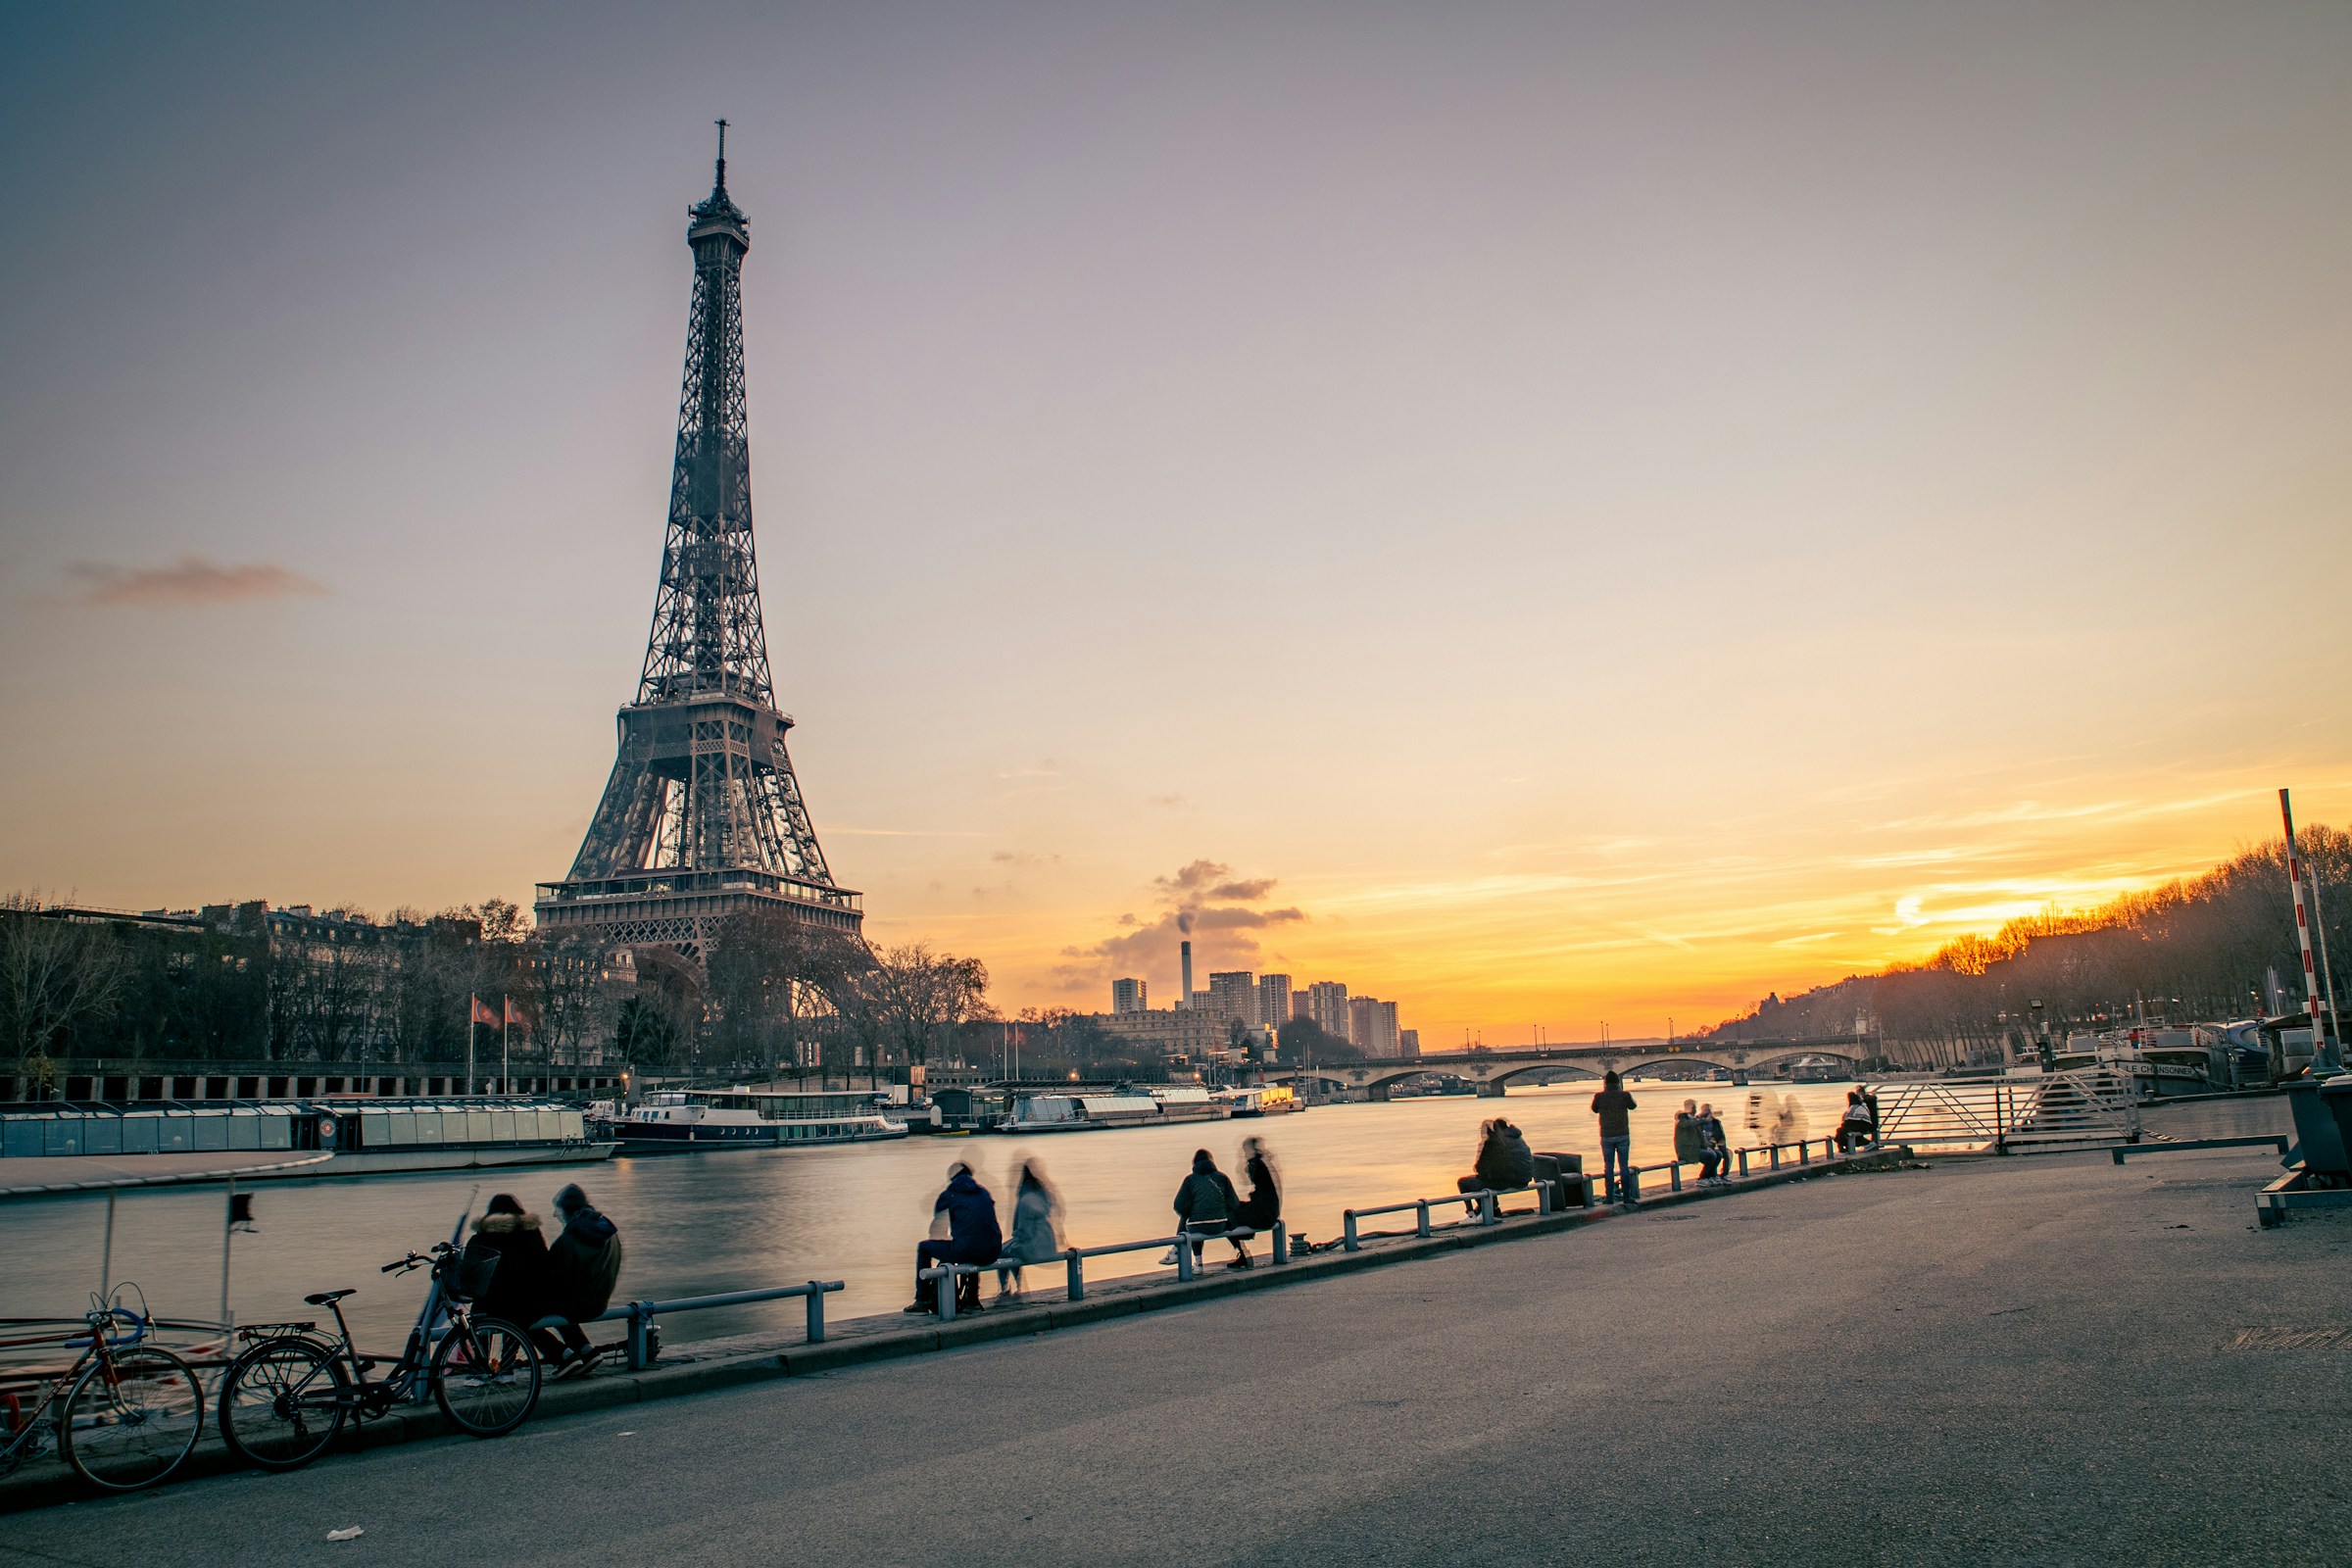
(2033, 1360)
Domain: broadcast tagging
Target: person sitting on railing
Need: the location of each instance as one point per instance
(1263, 1207)
(1719, 1147)
(518, 1293)
(970, 1216)
(583, 1264)
(1690, 1138)
(1035, 1205)
(1207, 1206)
(1859, 1126)
(1504, 1161)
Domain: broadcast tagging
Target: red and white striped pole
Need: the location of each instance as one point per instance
(2323, 1048)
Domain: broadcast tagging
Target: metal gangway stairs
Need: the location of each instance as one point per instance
(2091, 1108)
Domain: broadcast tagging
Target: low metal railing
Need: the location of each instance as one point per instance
(943, 1276)
(640, 1315)
(1483, 1205)
(1803, 1147)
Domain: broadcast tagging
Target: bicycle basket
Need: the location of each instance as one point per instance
(467, 1276)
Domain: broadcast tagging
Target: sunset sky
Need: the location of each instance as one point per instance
(1549, 512)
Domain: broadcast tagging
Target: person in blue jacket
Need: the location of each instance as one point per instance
(973, 1237)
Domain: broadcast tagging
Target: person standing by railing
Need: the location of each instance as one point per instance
(1616, 1136)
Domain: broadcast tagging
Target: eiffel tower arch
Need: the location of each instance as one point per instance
(701, 820)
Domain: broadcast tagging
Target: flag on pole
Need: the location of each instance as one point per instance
(514, 1013)
(483, 1014)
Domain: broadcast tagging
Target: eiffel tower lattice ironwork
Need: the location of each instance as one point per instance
(701, 820)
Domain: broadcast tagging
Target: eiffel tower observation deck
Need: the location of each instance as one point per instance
(702, 820)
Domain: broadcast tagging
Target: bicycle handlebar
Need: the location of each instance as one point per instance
(416, 1259)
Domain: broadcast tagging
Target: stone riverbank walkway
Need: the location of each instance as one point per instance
(2046, 1359)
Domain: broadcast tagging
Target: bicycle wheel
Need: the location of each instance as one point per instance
(486, 1376)
(131, 1418)
(282, 1402)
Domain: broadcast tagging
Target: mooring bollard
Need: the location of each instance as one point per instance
(945, 1293)
(1673, 1177)
(641, 1314)
(1282, 1242)
(1774, 1153)
(1077, 1275)
(1184, 1260)
(1743, 1164)
(1543, 1202)
(1804, 1152)
(1421, 1217)
(1629, 1186)
(1486, 1205)
(816, 1313)
(1348, 1239)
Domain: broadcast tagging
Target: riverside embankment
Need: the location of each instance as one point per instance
(2045, 1359)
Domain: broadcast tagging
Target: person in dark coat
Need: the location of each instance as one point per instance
(518, 1293)
(583, 1265)
(1263, 1207)
(1207, 1206)
(1504, 1161)
(973, 1237)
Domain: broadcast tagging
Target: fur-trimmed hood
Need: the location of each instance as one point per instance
(505, 1224)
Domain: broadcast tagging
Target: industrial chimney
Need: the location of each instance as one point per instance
(1184, 996)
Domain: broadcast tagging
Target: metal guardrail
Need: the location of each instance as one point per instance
(2275, 1140)
(943, 1276)
(2090, 1107)
(640, 1315)
(1484, 1205)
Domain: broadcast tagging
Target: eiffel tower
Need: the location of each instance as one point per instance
(701, 820)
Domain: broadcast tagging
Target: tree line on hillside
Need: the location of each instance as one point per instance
(2208, 948)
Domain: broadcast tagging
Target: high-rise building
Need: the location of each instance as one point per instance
(1327, 1006)
(1273, 1000)
(1372, 1026)
(1127, 996)
(1409, 1042)
(1233, 994)
(1200, 1001)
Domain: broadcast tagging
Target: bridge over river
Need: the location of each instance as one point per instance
(1492, 1071)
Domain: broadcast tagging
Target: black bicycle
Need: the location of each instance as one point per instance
(287, 1395)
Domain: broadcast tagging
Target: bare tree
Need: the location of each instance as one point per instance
(574, 1006)
(921, 997)
(55, 974)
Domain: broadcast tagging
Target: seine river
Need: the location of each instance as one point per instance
(698, 1224)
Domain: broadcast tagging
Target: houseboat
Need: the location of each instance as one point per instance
(365, 1137)
(1153, 1106)
(684, 1120)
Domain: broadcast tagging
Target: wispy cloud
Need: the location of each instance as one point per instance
(1203, 901)
(191, 582)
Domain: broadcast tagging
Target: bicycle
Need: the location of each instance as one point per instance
(126, 1413)
(289, 1392)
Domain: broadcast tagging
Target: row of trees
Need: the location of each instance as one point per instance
(244, 982)
(2212, 947)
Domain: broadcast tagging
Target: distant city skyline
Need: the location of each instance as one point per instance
(1786, 485)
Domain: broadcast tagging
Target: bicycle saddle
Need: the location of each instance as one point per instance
(328, 1298)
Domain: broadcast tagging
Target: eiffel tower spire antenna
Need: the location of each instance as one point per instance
(701, 820)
